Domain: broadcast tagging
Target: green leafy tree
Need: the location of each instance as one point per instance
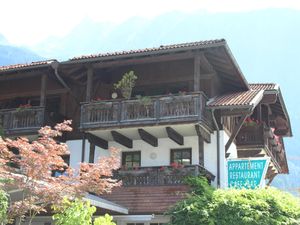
(78, 212)
(205, 205)
(75, 212)
(104, 220)
(3, 207)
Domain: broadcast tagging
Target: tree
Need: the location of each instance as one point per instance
(30, 165)
(205, 205)
(78, 212)
(3, 206)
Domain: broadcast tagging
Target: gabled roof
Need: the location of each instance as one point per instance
(190, 45)
(263, 86)
(244, 99)
(32, 65)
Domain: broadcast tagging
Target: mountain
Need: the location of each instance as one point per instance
(15, 55)
(264, 43)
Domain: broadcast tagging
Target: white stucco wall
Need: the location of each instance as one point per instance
(75, 148)
(160, 156)
(210, 157)
(155, 156)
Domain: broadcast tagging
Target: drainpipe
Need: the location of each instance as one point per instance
(218, 147)
(55, 65)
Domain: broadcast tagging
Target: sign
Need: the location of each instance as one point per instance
(247, 173)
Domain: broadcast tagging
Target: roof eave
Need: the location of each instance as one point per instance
(143, 54)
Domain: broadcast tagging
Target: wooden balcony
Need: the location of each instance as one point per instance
(154, 176)
(261, 136)
(160, 110)
(21, 121)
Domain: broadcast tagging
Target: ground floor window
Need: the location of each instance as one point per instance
(131, 160)
(182, 156)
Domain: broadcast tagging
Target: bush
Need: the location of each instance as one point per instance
(3, 206)
(205, 205)
(78, 212)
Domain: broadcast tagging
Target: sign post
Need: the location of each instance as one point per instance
(247, 173)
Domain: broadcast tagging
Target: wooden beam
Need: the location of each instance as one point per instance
(197, 61)
(147, 137)
(236, 131)
(175, 136)
(89, 86)
(121, 139)
(144, 60)
(33, 93)
(201, 150)
(206, 64)
(43, 90)
(97, 141)
(201, 132)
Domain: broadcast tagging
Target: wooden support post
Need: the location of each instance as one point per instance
(235, 131)
(97, 141)
(197, 60)
(43, 90)
(89, 85)
(121, 139)
(147, 137)
(175, 136)
(92, 153)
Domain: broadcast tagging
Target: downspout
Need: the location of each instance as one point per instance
(54, 66)
(218, 147)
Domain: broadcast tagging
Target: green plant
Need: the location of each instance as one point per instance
(126, 84)
(75, 212)
(78, 212)
(3, 207)
(144, 100)
(206, 205)
(104, 220)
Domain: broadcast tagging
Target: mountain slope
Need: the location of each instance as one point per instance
(15, 55)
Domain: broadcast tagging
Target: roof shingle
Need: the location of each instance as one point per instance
(26, 65)
(198, 44)
(263, 86)
(244, 98)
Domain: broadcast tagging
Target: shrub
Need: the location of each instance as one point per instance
(205, 205)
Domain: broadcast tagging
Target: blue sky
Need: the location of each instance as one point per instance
(30, 22)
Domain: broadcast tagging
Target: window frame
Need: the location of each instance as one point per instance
(174, 150)
(124, 154)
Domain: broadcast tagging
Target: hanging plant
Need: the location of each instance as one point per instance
(126, 84)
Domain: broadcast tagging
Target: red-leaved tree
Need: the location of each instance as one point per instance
(30, 171)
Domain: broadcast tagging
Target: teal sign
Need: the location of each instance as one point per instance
(247, 173)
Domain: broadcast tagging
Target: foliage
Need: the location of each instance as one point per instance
(144, 100)
(75, 212)
(104, 220)
(205, 205)
(126, 84)
(78, 212)
(33, 167)
(3, 206)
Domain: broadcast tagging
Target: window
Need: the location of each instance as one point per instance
(131, 159)
(182, 156)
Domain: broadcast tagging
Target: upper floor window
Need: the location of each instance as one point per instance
(131, 159)
(181, 156)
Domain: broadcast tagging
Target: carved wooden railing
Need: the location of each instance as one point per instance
(159, 109)
(261, 136)
(147, 176)
(16, 121)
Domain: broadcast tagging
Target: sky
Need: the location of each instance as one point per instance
(29, 22)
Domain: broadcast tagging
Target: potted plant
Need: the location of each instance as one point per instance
(126, 84)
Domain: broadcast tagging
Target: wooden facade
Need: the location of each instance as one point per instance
(197, 84)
